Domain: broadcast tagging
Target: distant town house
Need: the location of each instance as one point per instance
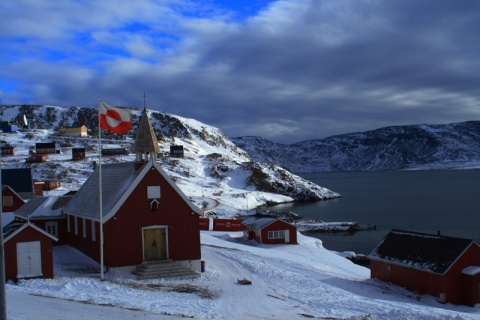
(74, 131)
(47, 148)
(269, 230)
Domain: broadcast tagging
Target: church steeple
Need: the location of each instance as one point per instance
(146, 145)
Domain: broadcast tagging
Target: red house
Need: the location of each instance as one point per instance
(28, 251)
(11, 201)
(269, 230)
(445, 267)
(145, 216)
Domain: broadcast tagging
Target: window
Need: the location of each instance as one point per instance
(68, 223)
(52, 228)
(84, 227)
(76, 225)
(153, 192)
(7, 201)
(154, 205)
(94, 231)
(280, 234)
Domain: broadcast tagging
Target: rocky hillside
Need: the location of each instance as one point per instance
(455, 145)
(211, 159)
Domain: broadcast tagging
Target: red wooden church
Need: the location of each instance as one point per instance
(145, 216)
(445, 267)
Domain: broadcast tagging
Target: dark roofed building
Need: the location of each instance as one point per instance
(20, 180)
(429, 264)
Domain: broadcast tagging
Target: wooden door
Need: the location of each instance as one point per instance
(154, 244)
(29, 259)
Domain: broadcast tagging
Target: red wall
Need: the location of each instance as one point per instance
(27, 235)
(204, 223)
(85, 244)
(227, 225)
(452, 283)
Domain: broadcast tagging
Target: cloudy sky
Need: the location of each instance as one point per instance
(285, 70)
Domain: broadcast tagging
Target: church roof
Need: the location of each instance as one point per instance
(118, 182)
(146, 140)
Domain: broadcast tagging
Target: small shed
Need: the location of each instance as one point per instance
(36, 158)
(176, 151)
(269, 230)
(11, 201)
(7, 150)
(445, 267)
(114, 152)
(78, 153)
(51, 184)
(46, 148)
(28, 251)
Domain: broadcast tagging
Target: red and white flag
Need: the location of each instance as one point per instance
(116, 120)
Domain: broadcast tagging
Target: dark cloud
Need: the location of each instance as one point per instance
(292, 71)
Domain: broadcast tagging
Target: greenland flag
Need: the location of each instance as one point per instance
(115, 120)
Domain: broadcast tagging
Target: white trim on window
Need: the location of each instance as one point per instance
(277, 234)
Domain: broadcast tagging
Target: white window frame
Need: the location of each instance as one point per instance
(276, 234)
(52, 228)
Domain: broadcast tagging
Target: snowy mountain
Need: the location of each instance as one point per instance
(214, 172)
(455, 145)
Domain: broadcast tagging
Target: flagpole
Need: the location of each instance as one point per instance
(102, 276)
(3, 299)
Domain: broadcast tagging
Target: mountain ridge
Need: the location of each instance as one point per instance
(447, 146)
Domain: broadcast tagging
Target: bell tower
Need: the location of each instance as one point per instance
(146, 144)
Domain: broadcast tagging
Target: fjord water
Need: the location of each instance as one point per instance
(425, 201)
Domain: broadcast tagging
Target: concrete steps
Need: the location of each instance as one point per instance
(163, 269)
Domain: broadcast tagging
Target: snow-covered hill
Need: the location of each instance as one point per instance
(455, 145)
(214, 173)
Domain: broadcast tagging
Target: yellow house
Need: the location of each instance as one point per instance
(75, 132)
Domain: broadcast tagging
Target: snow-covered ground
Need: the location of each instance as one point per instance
(288, 282)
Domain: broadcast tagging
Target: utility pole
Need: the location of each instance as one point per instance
(3, 298)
